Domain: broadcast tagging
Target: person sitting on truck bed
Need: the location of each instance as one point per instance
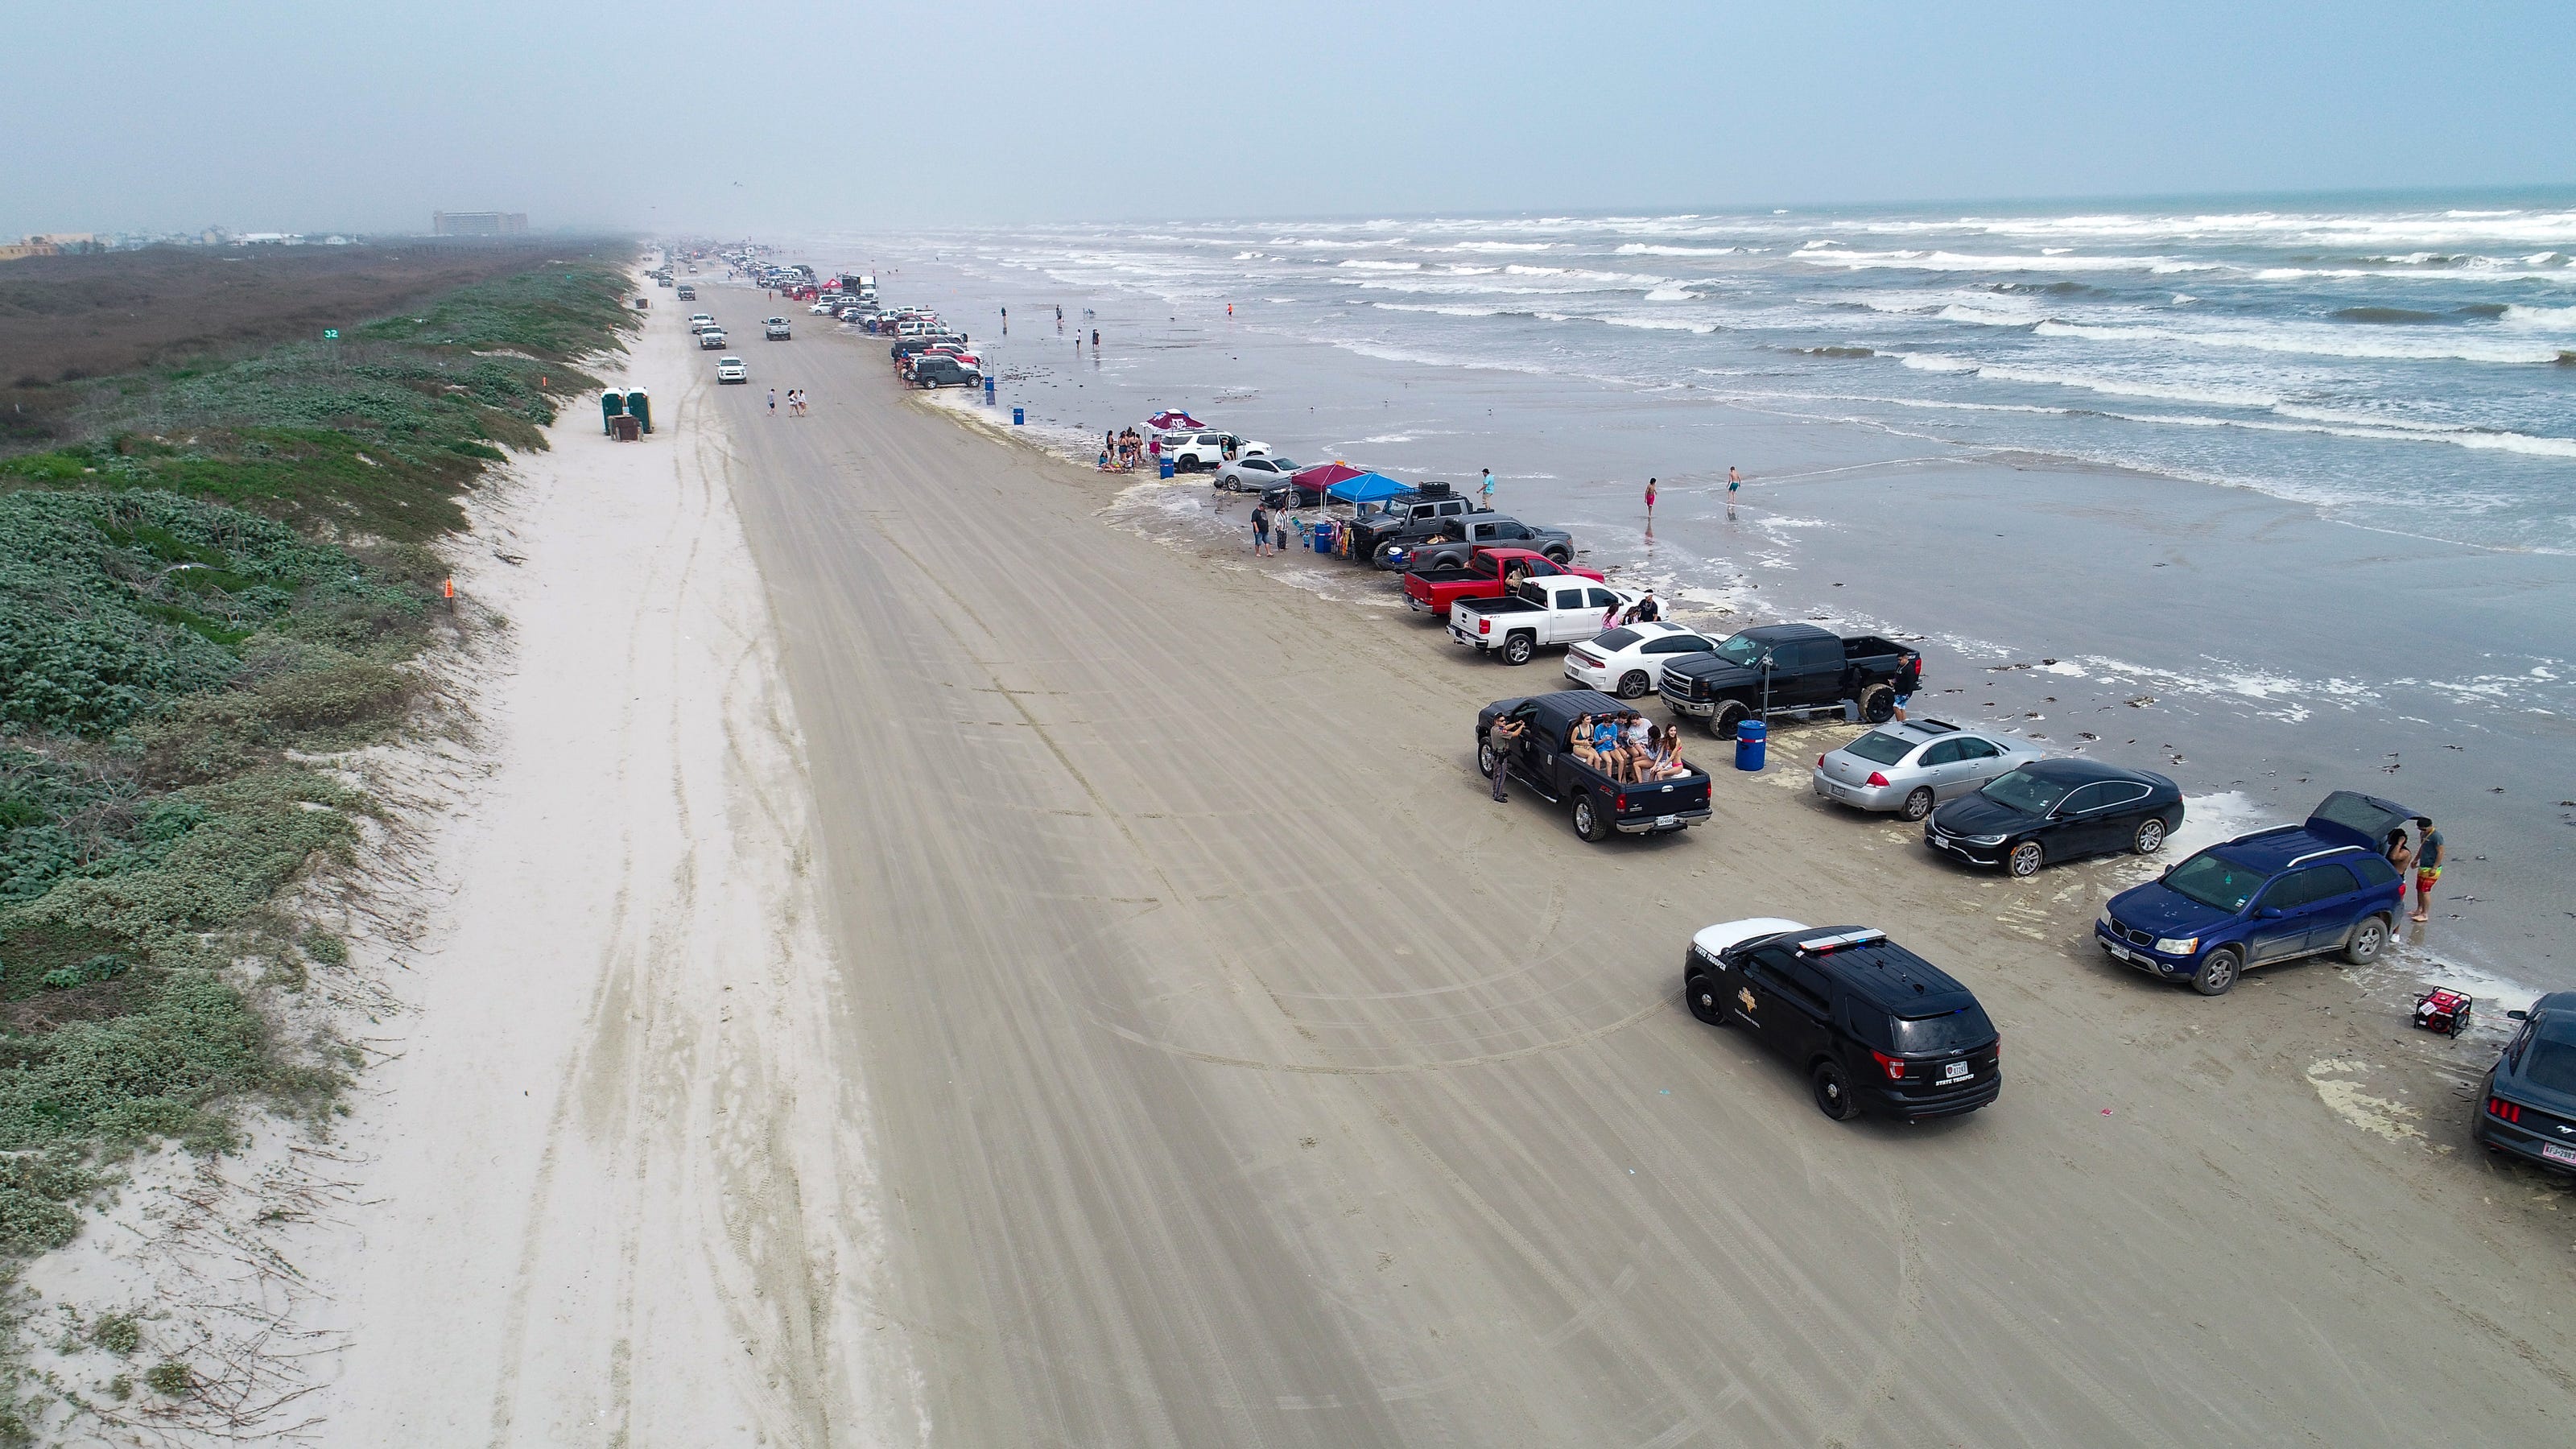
(1581, 742)
(1664, 753)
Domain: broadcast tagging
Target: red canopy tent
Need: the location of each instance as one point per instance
(1165, 421)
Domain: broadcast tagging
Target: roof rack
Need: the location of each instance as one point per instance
(2318, 855)
(1826, 945)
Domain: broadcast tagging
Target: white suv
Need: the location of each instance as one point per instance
(729, 368)
(1196, 452)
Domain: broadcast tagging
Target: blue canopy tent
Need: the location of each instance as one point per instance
(1368, 488)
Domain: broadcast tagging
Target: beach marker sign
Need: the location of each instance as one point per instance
(330, 334)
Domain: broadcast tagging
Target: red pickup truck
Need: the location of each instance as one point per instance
(1489, 574)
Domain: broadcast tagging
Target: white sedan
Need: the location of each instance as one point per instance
(823, 307)
(1629, 661)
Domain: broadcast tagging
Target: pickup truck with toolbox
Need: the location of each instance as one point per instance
(1783, 668)
(1535, 614)
(1543, 759)
(1484, 576)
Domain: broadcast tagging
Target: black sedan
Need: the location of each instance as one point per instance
(2053, 810)
(2530, 1099)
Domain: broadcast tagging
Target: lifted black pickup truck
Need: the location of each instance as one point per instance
(1543, 760)
(1786, 667)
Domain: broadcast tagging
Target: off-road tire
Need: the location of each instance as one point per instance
(1722, 724)
(1917, 804)
(1632, 685)
(1558, 554)
(2368, 940)
(2219, 972)
(1379, 557)
(1833, 1091)
(1878, 704)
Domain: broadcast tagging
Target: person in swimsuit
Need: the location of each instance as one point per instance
(2428, 869)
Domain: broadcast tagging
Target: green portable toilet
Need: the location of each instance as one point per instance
(612, 406)
(640, 408)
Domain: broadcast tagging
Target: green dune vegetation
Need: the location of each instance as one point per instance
(227, 576)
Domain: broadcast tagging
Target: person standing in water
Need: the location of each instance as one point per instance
(1650, 503)
(1734, 481)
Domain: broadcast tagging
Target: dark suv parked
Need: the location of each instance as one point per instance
(938, 369)
(2275, 895)
(1875, 1027)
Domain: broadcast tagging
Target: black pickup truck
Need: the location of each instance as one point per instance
(1543, 760)
(1455, 540)
(1789, 667)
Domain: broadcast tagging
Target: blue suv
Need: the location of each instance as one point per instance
(2275, 895)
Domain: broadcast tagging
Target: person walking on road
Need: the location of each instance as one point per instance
(773, 402)
(2428, 869)
(1499, 737)
(1485, 491)
(1650, 503)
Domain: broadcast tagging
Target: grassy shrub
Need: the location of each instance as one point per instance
(148, 1074)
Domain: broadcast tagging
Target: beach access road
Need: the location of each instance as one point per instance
(1240, 1075)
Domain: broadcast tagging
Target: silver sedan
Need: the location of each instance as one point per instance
(1909, 766)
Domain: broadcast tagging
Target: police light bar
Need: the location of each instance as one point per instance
(1825, 944)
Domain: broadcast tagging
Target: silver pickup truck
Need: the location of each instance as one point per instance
(1537, 613)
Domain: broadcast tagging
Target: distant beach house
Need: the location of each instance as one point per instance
(50, 244)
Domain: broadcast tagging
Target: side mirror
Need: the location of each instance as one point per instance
(2517, 1016)
(2269, 913)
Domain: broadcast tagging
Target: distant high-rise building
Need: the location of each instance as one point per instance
(477, 223)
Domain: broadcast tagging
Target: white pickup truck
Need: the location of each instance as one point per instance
(1538, 612)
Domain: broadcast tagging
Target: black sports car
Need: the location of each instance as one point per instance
(2053, 810)
(2529, 1108)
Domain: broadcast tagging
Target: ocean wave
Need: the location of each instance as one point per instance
(2521, 316)
(1663, 324)
(1646, 249)
(1831, 255)
(1365, 264)
(1444, 310)
(1494, 246)
(2388, 316)
(2320, 342)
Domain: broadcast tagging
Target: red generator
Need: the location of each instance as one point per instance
(2446, 1012)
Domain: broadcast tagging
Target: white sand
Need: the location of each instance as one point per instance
(616, 1179)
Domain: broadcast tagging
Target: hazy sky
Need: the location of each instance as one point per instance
(790, 115)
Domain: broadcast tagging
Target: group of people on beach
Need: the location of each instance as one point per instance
(795, 402)
(2425, 855)
(1627, 749)
(1122, 452)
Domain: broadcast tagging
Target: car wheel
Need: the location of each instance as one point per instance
(1878, 704)
(2218, 973)
(1518, 649)
(1587, 821)
(1918, 804)
(2025, 859)
(2150, 837)
(1560, 555)
(1701, 995)
(1833, 1091)
(1485, 758)
(1632, 685)
(1722, 724)
(2368, 940)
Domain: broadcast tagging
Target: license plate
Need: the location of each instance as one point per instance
(2556, 1153)
(1955, 1072)
(2122, 953)
(1666, 822)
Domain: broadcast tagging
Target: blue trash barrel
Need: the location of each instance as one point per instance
(1167, 467)
(1751, 743)
(988, 387)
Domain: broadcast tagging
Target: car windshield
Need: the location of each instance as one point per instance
(2550, 1060)
(1616, 640)
(1284, 465)
(2215, 881)
(1951, 1031)
(1879, 749)
(1740, 650)
(2023, 790)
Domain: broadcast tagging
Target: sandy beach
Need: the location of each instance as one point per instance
(933, 956)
